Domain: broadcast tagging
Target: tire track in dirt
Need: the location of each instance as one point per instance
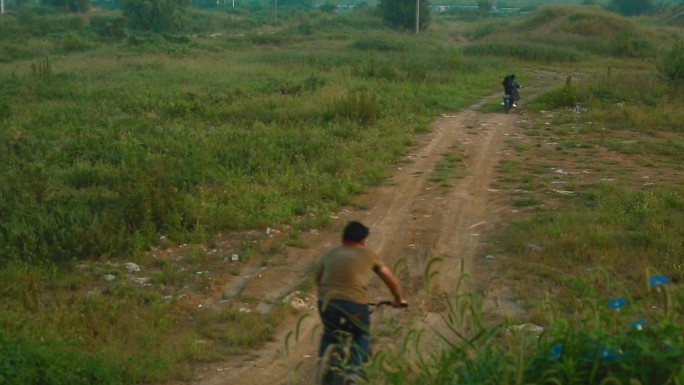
(413, 219)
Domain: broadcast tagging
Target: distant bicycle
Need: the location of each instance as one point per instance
(335, 362)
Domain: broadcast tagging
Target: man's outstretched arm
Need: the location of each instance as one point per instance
(388, 278)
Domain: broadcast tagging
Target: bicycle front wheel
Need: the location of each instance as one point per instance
(331, 366)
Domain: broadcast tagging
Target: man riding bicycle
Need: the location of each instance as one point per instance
(343, 292)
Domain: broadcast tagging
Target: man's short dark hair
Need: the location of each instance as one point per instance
(355, 232)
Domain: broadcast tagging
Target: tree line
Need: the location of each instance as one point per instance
(166, 15)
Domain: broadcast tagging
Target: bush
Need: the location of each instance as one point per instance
(73, 43)
(360, 107)
(109, 25)
(671, 67)
(25, 362)
(564, 97)
(378, 44)
(401, 14)
(155, 15)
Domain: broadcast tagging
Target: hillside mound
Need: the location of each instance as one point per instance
(566, 34)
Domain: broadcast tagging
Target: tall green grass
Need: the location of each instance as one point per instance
(620, 340)
(108, 155)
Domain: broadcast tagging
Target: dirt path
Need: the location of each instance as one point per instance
(413, 218)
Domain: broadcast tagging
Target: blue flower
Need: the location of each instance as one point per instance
(556, 351)
(606, 354)
(617, 303)
(638, 324)
(656, 280)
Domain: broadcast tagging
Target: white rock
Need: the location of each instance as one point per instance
(562, 192)
(298, 304)
(131, 267)
(109, 277)
(531, 328)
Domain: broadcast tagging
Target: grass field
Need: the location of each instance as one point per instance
(115, 141)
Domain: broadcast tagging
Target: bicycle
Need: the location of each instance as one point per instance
(507, 102)
(335, 360)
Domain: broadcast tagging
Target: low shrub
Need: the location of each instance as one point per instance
(360, 107)
(628, 339)
(566, 96)
(27, 362)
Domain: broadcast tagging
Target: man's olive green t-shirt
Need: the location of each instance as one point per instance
(346, 273)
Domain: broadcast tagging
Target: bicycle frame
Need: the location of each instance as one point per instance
(507, 102)
(335, 359)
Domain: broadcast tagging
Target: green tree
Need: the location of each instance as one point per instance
(328, 7)
(671, 67)
(631, 7)
(295, 4)
(484, 6)
(155, 15)
(401, 14)
(69, 5)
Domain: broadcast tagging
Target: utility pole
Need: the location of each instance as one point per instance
(2, 6)
(417, 16)
(275, 9)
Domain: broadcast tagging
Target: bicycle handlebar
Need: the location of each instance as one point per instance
(385, 302)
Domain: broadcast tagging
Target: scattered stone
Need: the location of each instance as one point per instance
(536, 247)
(244, 310)
(142, 280)
(562, 192)
(530, 328)
(298, 304)
(234, 258)
(131, 267)
(490, 257)
(109, 277)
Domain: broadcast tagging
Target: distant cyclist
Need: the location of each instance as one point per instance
(343, 292)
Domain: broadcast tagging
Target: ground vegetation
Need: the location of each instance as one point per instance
(141, 171)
